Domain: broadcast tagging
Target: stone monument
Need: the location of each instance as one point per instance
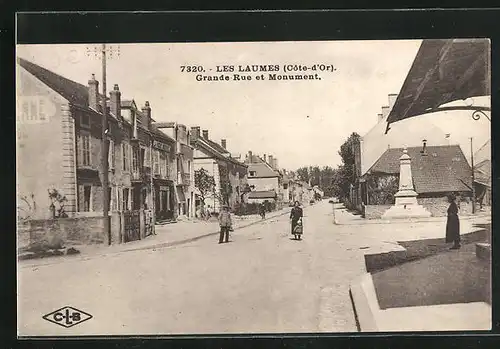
(406, 205)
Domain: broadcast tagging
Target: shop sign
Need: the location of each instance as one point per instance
(161, 146)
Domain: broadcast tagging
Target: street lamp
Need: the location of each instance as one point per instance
(99, 52)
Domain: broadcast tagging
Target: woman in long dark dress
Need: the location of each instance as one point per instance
(453, 223)
(295, 215)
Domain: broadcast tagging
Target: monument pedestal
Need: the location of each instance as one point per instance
(406, 205)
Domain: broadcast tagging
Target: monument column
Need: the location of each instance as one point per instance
(406, 205)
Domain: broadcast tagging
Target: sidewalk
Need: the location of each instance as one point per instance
(166, 236)
(344, 217)
(448, 292)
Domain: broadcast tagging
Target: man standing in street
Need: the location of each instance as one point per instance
(225, 223)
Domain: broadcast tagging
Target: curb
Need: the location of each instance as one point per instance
(364, 303)
(365, 221)
(83, 256)
(185, 241)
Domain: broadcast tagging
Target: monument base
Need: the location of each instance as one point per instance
(406, 211)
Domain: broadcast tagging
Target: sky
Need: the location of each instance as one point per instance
(301, 123)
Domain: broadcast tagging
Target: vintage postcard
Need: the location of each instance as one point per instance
(253, 187)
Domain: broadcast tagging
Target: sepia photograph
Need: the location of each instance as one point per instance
(202, 188)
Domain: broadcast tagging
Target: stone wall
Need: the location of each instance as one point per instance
(438, 206)
(83, 230)
(375, 211)
(72, 231)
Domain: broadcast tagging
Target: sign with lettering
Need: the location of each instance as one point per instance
(164, 188)
(161, 146)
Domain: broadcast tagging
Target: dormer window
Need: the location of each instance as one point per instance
(252, 173)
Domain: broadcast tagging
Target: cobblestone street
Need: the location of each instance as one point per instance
(260, 282)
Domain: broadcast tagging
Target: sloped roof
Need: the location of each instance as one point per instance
(444, 169)
(262, 170)
(209, 148)
(483, 153)
(482, 173)
(263, 194)
(74, 92)
(158, 133)
(443, 71)
(409, 132)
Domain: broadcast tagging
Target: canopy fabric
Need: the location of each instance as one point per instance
(443, 71)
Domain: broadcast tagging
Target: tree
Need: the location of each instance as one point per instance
(226, 188)
(205, 183)
(346, 172)
(303, 174)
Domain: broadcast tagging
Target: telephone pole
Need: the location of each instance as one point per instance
(472, 177)
(104, 134)
(104, 153)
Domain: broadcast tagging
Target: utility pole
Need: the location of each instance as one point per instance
(472, 177)
(104, 158)
(104, 141)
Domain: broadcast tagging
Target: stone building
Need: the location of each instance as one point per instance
(264, 179)
(183, 167)
(59, 126)
(230, 175)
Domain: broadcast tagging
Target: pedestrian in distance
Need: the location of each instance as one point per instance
(262, 210)
(225, 223)
(453, 223)
(296, 215)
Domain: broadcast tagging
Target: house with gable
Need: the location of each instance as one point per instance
(264, 179)
(230, 175)
(437, 171)
(375, 142)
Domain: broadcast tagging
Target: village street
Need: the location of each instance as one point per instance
(260, 282)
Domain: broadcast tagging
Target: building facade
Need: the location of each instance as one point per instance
(183, 167)
(64, 118)
(264, 180)
(230, 175)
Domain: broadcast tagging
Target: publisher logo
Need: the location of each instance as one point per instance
(67, 317)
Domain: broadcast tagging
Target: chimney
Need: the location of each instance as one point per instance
(385, 111)
(146, 110)
(275, 163)
(223, 143)
(250, 157)
(265, 158)
(392, 100)
(205, 134)
(424, 147)
(271, 161)
(195, 132)
(93, 93)
(380, 117)
(115, 101)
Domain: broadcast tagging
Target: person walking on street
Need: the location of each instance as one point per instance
(225, 223)
(453, 223)
(262, 210)
(295, 215)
